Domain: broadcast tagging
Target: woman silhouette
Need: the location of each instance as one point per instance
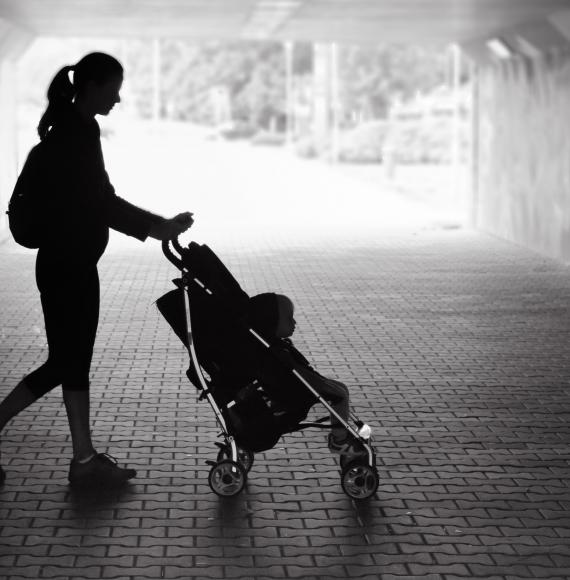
(80, 207)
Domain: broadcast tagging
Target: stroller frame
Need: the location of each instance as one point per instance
(228, 475)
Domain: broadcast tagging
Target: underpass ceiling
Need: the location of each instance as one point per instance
(349, 21)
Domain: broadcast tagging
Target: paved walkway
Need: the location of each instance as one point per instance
(455, 348)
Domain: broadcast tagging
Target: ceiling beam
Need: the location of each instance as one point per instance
(347, 21)
(14, 40)
(268, 17)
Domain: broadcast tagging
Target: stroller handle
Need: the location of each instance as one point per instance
(176, 245)
(170, 254)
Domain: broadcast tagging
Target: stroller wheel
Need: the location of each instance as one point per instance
(227, 478)
(245, 457)
(359, 480)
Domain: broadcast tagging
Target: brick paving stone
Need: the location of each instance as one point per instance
(63, 571)
(454, 347)
(545, 572)
(407, 577)
(150, 572)
(27, 572)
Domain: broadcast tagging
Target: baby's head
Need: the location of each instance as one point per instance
(272, 314)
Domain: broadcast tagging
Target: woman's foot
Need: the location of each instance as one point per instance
(99, 471)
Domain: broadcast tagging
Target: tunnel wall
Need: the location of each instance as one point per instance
(13, 42)
(8, 139)
(522, 180)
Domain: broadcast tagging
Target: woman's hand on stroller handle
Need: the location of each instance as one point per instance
(169, 229)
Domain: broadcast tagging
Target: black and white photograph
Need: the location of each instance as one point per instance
(284, 289)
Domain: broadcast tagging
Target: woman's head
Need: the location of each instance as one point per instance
(97, 80)
(272, 315)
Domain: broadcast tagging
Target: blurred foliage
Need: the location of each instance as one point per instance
(427, 141)
(364, 143)
(406, 139)
(372, 78)
(248, 81)
(253, 74)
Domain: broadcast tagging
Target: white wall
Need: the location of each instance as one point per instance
(523, 180)
(13, 42)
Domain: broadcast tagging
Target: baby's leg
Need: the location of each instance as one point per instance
(337, 394)
(339, 440)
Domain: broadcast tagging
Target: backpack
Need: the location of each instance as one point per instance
(26, 216)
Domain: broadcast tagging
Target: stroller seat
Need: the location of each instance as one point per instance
(257, 400)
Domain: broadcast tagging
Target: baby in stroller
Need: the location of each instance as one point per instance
(258, 384)
(273, 315)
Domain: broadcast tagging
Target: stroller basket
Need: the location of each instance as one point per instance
(255, 397)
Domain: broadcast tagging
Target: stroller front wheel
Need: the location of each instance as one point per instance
(245, 457)
(359, 480)
(227, 478)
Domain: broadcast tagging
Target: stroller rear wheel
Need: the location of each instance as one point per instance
(359, 480)
(227, 478)
(245, 457)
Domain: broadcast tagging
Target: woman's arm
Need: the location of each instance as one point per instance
(167, 229)
(134, 221)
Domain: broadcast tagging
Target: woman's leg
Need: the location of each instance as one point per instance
(40, 381)
(78, 340)
(70, 302)
(78, 417)
(20, 398)
(47, 376)
(88, 467)
(76, 404)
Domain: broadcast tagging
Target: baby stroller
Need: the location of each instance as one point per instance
(254, 404)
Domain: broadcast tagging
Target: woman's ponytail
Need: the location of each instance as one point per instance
(60, 95)
(96, 67)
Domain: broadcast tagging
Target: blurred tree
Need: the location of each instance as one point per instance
(261, 98)
(371, 78)
(253, 73)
